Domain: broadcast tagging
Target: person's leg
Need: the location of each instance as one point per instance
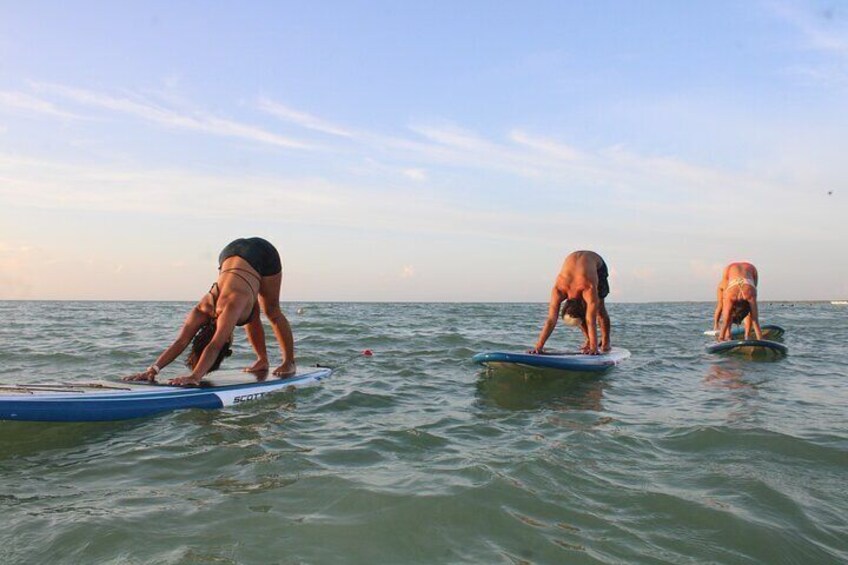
(269, 300)
(256, 336)
(605, 327)
(603, 292)
(748, 324)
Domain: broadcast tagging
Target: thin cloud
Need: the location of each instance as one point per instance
(407, 272)
(418, 175)
(41, 184)
(33, 105)
(453, 136)
(16, 267)
(374, 141)
(302, 119)
(635, 180)
(703, 270)
(644, 274)
(822, 31)
(150, 112)
(546, 145)
(660, 187)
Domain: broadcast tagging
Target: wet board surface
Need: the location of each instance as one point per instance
(560, 360)
(116, 400)
(759, 348)
(770, 331)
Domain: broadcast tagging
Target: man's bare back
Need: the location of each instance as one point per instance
(579, 273)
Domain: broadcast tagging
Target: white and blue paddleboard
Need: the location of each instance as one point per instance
(102, 401)
(760, 348)
(770, 331)
(559, 360)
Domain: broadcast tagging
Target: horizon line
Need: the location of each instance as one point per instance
(117, 300)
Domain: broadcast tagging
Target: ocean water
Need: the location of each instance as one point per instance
(415, 455)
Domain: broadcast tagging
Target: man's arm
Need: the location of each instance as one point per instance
(590, 296)
(550, 321)
(585, 347)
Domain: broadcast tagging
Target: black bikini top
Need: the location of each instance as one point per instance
(217, 289)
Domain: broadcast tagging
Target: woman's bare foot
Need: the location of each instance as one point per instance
(257, 367)
(287, 369)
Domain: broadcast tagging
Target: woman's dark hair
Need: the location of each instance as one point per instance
(574, 308)
(199, 343)
(738, 310)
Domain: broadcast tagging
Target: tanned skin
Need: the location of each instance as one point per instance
(578, 278)
(235, 304)
(725, 297)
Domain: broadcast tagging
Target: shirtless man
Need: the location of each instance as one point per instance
(582, 284)
(737, 301)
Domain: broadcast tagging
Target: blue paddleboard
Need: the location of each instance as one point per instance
(750, 347)
(101, 401)
(770, 331)
(563, 361)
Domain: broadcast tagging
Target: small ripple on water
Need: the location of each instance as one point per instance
(254, 485)
(357, 400)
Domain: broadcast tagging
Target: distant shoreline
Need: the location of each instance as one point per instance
(142, 301)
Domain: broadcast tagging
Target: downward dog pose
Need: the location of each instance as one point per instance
(736, 301)
(250, 276)
(582, 284)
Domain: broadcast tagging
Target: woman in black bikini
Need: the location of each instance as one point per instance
(250, 276)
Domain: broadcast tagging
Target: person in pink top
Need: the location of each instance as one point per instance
(736, 301)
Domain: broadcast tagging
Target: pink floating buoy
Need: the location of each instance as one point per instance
(367, 352)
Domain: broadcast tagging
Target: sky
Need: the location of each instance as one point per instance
(423, 151)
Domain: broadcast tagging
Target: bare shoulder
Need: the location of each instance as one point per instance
(558, 293)
(584, 259)
(580, 270)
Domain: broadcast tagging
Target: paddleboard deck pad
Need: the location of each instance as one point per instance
(105, 401)
(770, 331)
(750, 347)
(560, 360)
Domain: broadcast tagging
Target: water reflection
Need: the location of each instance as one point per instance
(729, 377)
(742, 398)
(531, 389)
(24, 439)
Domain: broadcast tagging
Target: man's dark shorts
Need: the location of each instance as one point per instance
(603, 280)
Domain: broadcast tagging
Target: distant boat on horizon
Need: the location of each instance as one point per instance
(839, 302)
